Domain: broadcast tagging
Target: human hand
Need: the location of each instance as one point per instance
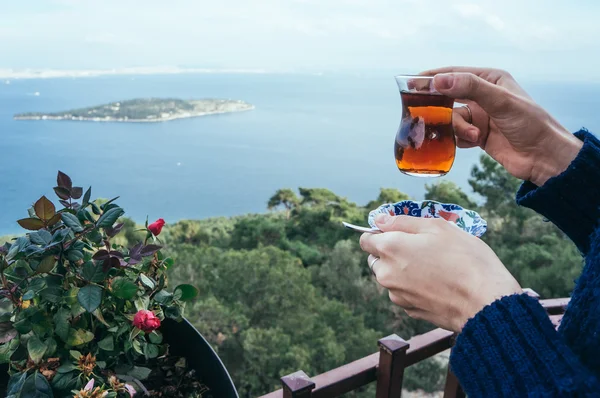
(507, 123)
(435, 271)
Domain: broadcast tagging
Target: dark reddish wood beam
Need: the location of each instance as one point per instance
(363, 371)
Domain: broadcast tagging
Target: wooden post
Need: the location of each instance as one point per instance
(297, 385)
(392, 355)
(452, 389)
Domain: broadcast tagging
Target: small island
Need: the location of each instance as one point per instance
(144, 110)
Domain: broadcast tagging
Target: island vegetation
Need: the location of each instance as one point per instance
(290, 289)
(143, 110)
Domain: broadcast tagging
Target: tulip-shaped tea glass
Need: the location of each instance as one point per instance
(425, 144)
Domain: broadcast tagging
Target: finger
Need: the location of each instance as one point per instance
(400, 301)
(373, 260)
(406, 224)
(415, 313)
(457, 69)
(462, 144)
(369, 244)
(494, 99)
(462, 128)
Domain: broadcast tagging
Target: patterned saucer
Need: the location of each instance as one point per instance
(467, 220)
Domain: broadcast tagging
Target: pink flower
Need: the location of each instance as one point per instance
(130, 390)
(146, 320)
(156, 227)
(89, 386)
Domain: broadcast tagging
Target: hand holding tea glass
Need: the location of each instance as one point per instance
(506, 122)
(447, 287)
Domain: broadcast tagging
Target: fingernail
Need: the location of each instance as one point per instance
(443, 81)
(382, 218)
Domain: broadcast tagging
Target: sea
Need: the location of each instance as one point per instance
(308, 130)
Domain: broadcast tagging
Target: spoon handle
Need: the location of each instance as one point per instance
(361, 229)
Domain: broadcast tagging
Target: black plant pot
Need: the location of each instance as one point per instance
(184, 341)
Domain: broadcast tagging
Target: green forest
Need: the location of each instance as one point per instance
(290, 289)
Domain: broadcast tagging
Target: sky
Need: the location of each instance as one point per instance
(533, 38)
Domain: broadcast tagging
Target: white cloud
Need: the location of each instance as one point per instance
(288, 34)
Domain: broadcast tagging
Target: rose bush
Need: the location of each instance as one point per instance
(84, 313)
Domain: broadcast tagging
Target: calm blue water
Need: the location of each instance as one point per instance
(309, 131)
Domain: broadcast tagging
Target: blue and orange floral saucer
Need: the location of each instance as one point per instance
(467, 220)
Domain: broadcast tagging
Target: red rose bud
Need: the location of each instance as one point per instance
(146, 320)
(156, 227)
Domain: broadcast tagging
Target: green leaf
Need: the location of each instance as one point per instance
(41, 237)
(156, 337)
(75, 354)
(44, 209)
(100, 317)
(123, 288)
(36, 349)
(71, 296)
(51, 344)
(139, 373)
(95, 236)
(74, 256)
(92, 272)
(137, 347)
(52, 294)
(32, 224)
(36, 386)
(185, 292)
(64, 381)
(46, 266)
(23, 326)
(66, 368)
(60, 235)
(149, 283)
(150, 351)
(15, 384)
(79, 337)
(107, 344)
(18, 354)
(86, 197)
(96, 209)
(134, 333)
(90, 297)
(169, 262)
(7, 332)
(28, 295)
(173, 312)
(141, 303)
(163, 297)
(110, 217)
(71, 221)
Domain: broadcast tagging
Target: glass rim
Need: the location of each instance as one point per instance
(406, 77)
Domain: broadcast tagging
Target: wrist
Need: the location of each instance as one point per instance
(557, 155)
(487, 297)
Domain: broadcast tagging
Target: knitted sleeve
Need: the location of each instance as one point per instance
(511, 349)
(571, 200)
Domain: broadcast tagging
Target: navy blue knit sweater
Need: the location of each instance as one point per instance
(510, 348)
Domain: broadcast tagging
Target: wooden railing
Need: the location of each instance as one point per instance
(386, 367)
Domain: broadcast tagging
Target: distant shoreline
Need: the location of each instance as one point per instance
(122, 120)
(11, 74)
(142, 110)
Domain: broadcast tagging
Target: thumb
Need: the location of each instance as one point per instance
(492, 98)
(408, 224)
